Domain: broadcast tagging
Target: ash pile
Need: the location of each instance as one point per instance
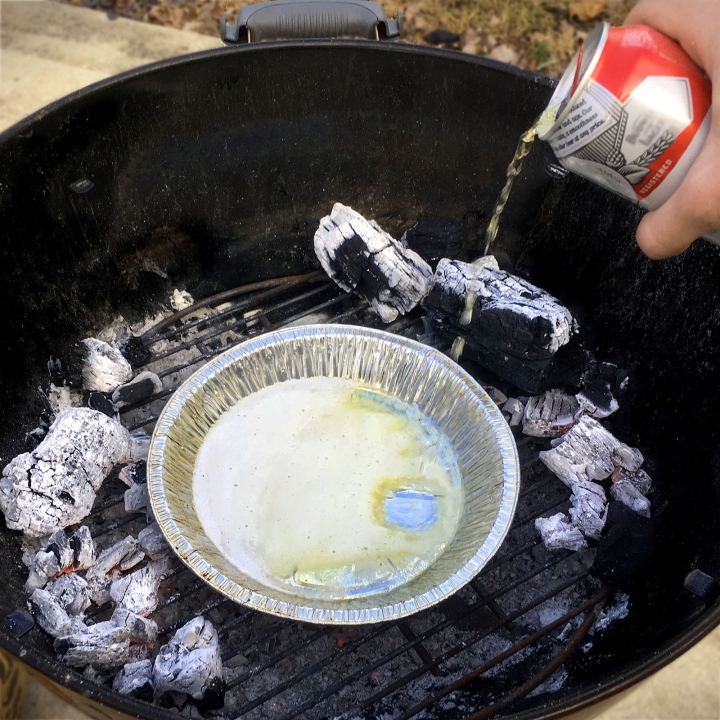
(97, 595)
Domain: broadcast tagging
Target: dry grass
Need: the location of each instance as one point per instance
(538, 34)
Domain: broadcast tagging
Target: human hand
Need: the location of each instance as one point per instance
(694, 208)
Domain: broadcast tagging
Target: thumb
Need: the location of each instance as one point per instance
(691, 211)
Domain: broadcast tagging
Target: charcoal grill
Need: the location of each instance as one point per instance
(210, 172)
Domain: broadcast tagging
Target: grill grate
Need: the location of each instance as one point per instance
(524, 601)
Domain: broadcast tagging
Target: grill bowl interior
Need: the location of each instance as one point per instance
(416, 374)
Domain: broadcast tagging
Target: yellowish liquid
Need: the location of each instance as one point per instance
(513, 170)
(324, 488)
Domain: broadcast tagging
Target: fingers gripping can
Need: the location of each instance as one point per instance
(631, 113)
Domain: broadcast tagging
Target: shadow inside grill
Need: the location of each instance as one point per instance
(504, 635)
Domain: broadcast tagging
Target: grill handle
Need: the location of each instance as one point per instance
(291, 19)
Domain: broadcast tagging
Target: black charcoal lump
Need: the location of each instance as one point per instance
(362, 258)
(516, 328)
(190, 663)
(437, 238)
(141, 387)
(54, 485)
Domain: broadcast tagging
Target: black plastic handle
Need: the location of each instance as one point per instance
(286, 19)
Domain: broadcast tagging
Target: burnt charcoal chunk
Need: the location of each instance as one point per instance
(362, 258)
(135, 679)
(516, 329)
(104, 367)
(135, 352)
(135, 474)
(100, 402)
(436, 238)
(134, 392)
(105, 646)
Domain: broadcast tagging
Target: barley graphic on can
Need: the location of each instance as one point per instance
(631, 113)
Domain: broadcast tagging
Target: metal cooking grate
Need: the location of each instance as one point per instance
(516, 622)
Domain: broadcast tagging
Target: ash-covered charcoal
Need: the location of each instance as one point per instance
(142, 630)
(625, 492)
(514, 411)
(63, 396)
(597, 405)
(140, 388)
(584, 453)
(83, 546)
(362, 258)
(70, 591)
(628, 458)
(49, 614)
(600, 382)
(436, 238)
(558, 533)
(138, 592)
(137, 653)
(44, 565)
(550, 415)
(137, 498)
(516, 328)
(136, 679)
(190, 663)
(106, 569)
(55, 557)
(104, 367)
(104, 646)
(639, 479)
(588, 508)
(54, 485)
(153, 542)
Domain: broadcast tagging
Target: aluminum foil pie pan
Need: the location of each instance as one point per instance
(406, 387)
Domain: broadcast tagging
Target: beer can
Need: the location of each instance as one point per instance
(630, 113)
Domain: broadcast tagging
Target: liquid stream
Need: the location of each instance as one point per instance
(513, 170)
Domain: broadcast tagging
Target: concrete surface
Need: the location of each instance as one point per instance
(48, 50)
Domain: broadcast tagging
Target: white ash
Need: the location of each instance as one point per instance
(63, 397)
(584, 453)
(639, 479)
(362, 258)
(181, 299)
(138, 592)
(54, 485)
(153, 542)
(142, 630)
(131, 561)
(104, 646)
(99, 587)
(137, 498)
(628, 494)
(552, 684)
(558, 533)
(104, 367)
(592, 408)
(84, 548)
(190, 661)
(513, 410)
(70, 591)
(628, 458)
(49, 614)
(588, 511)
(515, 328)
(609, 614)
(551, 414)
(136, 679)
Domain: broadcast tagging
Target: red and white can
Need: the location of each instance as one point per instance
(631, 113)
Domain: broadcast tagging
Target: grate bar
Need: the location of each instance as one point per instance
(501, 657)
